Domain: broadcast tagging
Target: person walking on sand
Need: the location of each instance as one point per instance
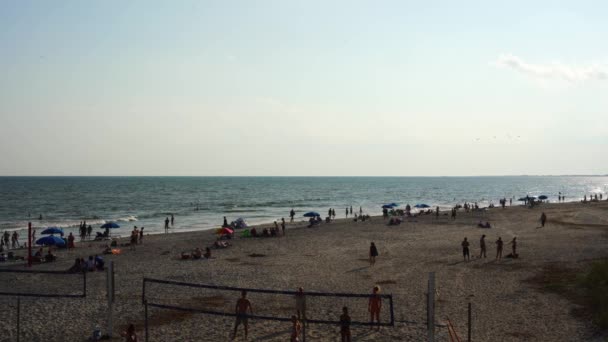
(373, 253)
(499, 248)
(345, 325)
(296, 329)
(167, 225)
(301, 305)
(242, 305)
(465, 250)
(513, 244)
(292, 214)
(482, 246)
(374, 306)
(543, 219)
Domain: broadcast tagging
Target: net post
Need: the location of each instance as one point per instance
(143, 292)
(110, 294)
(303, 332)
(430, 307)
(18, 318)
(392, 309)
(29, 244)
(84, 284)
(469, 325)
(146, 331)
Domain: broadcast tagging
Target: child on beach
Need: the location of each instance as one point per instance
(374, 306)
(242, 305)
(345, 325)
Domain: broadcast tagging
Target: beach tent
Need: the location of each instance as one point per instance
(52, 230)
(109, 225)
(51, 240)
(225, 231)
(311, 214)
(422, 205)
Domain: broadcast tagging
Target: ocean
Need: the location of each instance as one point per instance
(201, 202)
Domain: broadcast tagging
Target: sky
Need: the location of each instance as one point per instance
(303, 88)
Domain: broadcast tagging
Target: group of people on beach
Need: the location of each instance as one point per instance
(4, 241)
(94, 263)
(482, 248)
(244, 311)
(85, 231)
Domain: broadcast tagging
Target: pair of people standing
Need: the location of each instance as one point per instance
(482, 245)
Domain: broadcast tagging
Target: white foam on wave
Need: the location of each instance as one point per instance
(129, 218)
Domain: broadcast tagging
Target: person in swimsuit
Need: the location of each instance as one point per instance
(373, 253)
(345, 325)
(499, 248)
(241, 313)
(465, 250)
(482, 246)
(374, 306)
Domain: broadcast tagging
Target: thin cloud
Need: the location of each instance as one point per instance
(569, 73)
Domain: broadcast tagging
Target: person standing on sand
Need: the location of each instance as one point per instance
(242, 305)
(225, 224)
(167, 225)
(499, 248)
(482, 246)
(172, 220)
(543, 219)
(141, 236)
(296, 329)
(374, 306)
(89, 231)
(70, 241)
(373, 253)
(360, 211)
(283, 225)
(351, 209)
(437, 213)
(301, 305)
(346, 212)
(513, 244)
(345, 325)
(292, 214)
(465, 249)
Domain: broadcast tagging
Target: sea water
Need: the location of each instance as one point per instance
(201, 202)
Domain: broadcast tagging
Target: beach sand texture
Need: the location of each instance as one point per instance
(507, 305)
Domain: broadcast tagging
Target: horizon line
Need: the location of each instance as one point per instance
(302, 176)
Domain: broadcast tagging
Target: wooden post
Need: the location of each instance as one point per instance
(303, 332)
(469, 325)
(430, 308)
(18, 317)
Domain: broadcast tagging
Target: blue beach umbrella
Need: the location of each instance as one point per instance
(52, 230)
(387, 206)
(311, 214)
(422, 205)
(110, 225)
(542, 197)
(51, 240)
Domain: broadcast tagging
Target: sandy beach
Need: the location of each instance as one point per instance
(508, 302)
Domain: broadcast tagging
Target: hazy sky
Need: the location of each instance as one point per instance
(303, 87)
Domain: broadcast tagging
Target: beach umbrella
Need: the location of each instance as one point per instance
(542, 197)
(523, 199)
(52, 230)
(110, 225)
(387, 206)
(51, 240)
(311, 214)
(422, 205)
